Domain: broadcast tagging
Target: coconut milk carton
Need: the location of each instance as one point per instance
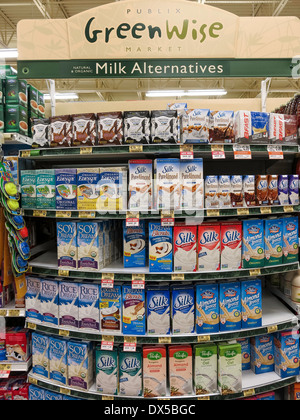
(49, 302)
(185, 248)
(134, 245)
(140, 185)
(167, 184)
(110, 309)
(58, 360)
(88, 189)
(158, 310)
(160, 248)
(45, 189)
(183, 309)
(90, 246)
(107, 371)
(68, 304)
(80, 364)
(66, 189)
(134, 317)
(88, 307)
(290, 240)
(67, 245)
(40, 355)
(131, 373)
(33, 304)
(192, 192)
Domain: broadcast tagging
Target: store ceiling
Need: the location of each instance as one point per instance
(12, 11)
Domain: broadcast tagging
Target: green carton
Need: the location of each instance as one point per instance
(16, 119)
(15, 91)
(1, 91)
(41, 105)
(33, 101)
(206, 369)
(28, 189)
(1, 119)
(45, 189)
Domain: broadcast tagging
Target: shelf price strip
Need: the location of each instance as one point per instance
(107, 343)
(138, 281)
(167, 218)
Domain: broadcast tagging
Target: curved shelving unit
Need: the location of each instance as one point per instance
(252, 385)
(276, 317)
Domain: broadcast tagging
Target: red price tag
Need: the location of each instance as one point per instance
(107, 281)
(138, 284)
(107, 345)
(167, 219)
(132, 220)
(217, 151)
(5, 371)
(129, 347)
(186, 152)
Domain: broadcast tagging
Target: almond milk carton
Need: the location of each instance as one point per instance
(140, 185)
(167, 184)
(181, 370)
(212, 192)
(192, 184)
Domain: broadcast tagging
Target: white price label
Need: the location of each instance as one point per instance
(107, 281)
(132, 219)
(242, 151)
(217, 151)
(107, 345)
(186, 152)
(168, 219)
(275, 151)
(138, 284)
(129, 347)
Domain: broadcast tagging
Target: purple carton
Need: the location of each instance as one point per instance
(294, 190)
(283, 190)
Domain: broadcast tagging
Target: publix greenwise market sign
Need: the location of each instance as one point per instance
(137, 38)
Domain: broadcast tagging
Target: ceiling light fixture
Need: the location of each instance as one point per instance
(180, 93)
(9, 53)
(62, 96)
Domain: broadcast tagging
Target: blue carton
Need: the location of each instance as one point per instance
(134, 245)
(251, 291)
(158, 310)
(134, 317)
(160, 248)
(66, 189)
(207, 309)
(230, 306)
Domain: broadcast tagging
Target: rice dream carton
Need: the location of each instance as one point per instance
(33, 304)
(251, 291)
(134, 245)
(207, 308)
(68, 304)
(160, 248)
(49, 297)
(88, 307)
(253, 243)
